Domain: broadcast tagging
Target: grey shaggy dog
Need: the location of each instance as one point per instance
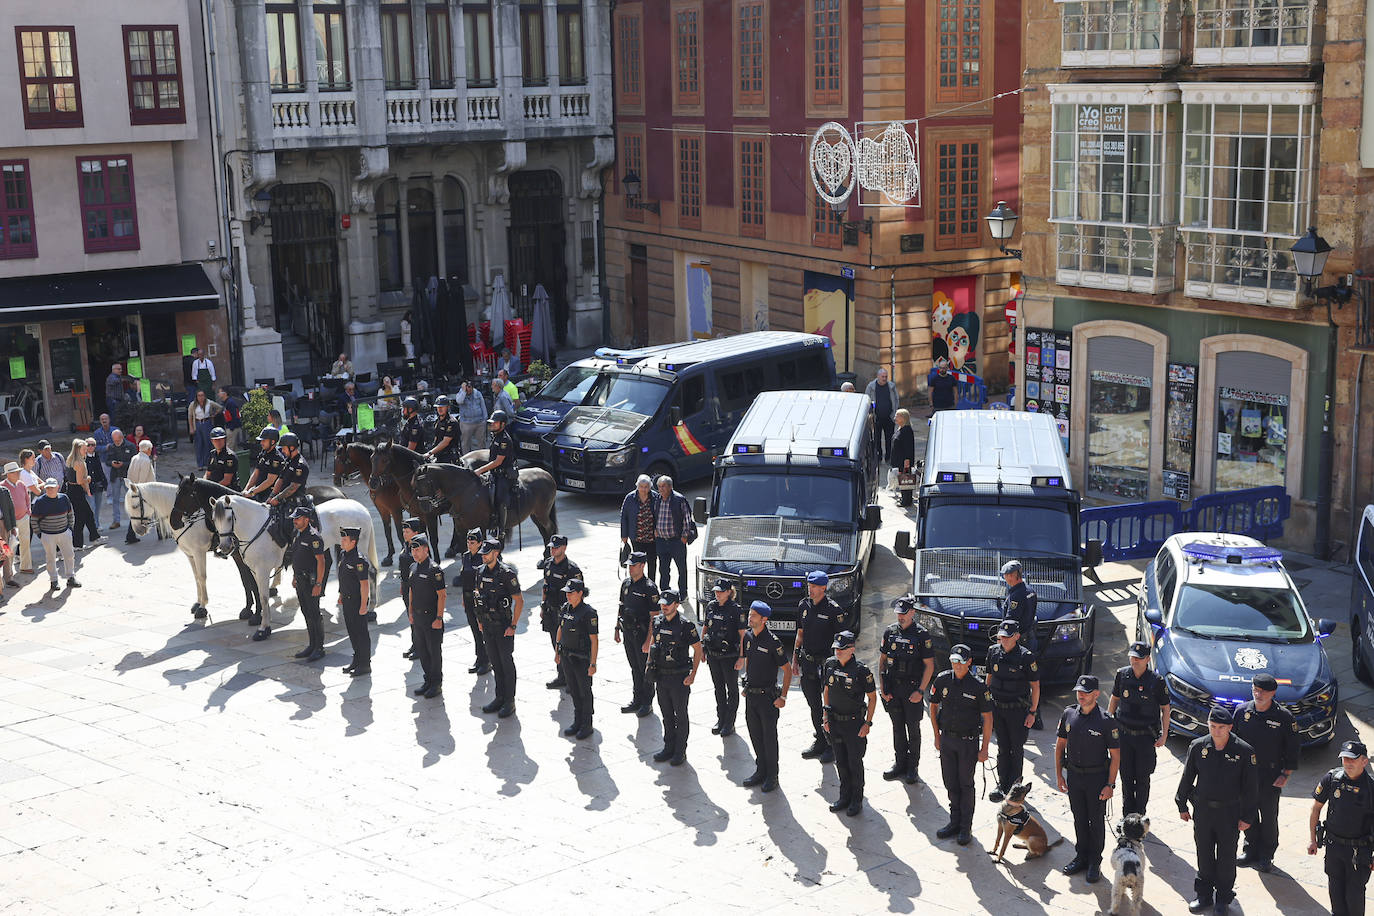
(1128, 863)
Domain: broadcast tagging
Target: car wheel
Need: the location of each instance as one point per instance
(1357, 652)
(657, 470)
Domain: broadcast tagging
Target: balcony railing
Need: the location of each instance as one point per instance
(1240, 268)
(1120, 33)
(290, 114)
(1129, 258)
(538, 106)
(1253, 31)
(405, 110)
(484, 106)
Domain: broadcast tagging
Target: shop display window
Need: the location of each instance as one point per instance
(1252, 439)
(1118, 435)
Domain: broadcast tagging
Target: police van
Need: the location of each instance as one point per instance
(667, 409)
(995, 486)
(795, 492)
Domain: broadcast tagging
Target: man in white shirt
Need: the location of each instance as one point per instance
(203, 372)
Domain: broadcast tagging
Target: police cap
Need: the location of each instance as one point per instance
(817, 577)
(723, 585)
(419, 540)
(1009, 628)
(905, 604)
(1011, 566)
(350, 532)
(414, 524)
(1353, 749)
(300, 512)
(1221, 715)
(638, 556)
(1139, 650)
(575, 585)
(490, 544)
(1265, 682)
(498, 416)
(475, 534)
(1086, 683)
(558, 540)
(442, 401)
(843, 640)
(762, 608)
(961, 654)
(667, 597)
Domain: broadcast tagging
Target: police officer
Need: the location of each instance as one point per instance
(307, 576)
(1020, 603)
(411, 432)
(1089, 748)
(1220, 779)
(223, 468)
(761, 655)
(1014, 681)
(427, 599)
(446, 436)
(960, 714)
(906, 664)
(409, 528)
(469, 564)
(354, 585)
(499, 606)
(847, 721)
(1140, 705)
(722, 633)
(1348, 831)
(638, 605)
(558, 571)
(267, 466)
(294, 474)
(674, 650)
(577, 644)
(1273, 732)
(501, 462)
(820, 619)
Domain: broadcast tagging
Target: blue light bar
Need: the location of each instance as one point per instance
(1047, 481)
(953, 477)
(798, 584)
(831, 453)
(751, 583)
(748, 449)
(1197, 550)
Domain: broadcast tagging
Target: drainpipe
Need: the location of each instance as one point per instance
(1354, 454)
(1321, 545)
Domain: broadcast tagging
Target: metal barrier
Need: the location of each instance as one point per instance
(972, 395)
(1136, 530)
(1258, 512)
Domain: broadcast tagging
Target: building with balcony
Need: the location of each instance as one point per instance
(385, 147)
(722, 230)
(1173, 159)
(110, 241)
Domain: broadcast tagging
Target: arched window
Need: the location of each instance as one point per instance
(455, 231)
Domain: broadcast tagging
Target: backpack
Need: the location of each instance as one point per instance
(231, 414)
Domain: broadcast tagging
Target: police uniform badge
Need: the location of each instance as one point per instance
(1204, 752)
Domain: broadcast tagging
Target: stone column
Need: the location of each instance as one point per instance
(401, 191)
(442, 262)
(551, 52)
(364, 329)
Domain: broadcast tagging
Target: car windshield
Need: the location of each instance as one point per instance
(622, 391)
(569, 386)
(790, 495)
(1010, 528)
(1241, 612)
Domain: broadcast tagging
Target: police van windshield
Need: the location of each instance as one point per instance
(569, 386)
(1241, 611)
(1017, 529)
(822, 497)
(623, 391)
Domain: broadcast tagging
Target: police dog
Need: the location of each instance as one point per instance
(1014, 819)
(1128, 863)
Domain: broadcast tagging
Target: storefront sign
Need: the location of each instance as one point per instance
(1119, 378)
(1255, 397)
(1180, 421)
(134, 368)
(17, 370)
(145, 390)
(188, 343)
(78, 327)
(1049, 376)
(366, 417)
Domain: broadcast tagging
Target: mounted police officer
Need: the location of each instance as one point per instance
(499, 606)
(307, 576)
(1273, 732)
(501, 464)
(446, 433)
(761, 655)
(1088, 746)
(470, 561)
(267, 466)
(674, 650)
(410, 431)
(961, 720)
(1014, 681)
(906, 664)
(725, 624)
(576, 644)
(1140, 705)
(848, 683)
(290, 492)
(410, 527)
(223, 468)
(638, 605)
(427, 600)
(558, 571)
(1220, 779)
(1348, 831)
(818, 623)
(354, 585)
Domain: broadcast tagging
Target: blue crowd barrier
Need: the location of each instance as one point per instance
(1258, 512)
(972, 395)
(1136, 530)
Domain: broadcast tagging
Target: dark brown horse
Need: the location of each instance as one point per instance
(398, 463)
(469, 500)
(357, 458)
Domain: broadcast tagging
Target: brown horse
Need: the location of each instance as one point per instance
(398, 463)
(469, 500)
(357, 458)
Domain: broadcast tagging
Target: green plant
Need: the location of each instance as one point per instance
(540, 370)
(254, 414)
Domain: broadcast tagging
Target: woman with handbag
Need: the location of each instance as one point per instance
(77, 485)
(902, 453)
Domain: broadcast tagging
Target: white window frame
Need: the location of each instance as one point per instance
(1121, 33)
(1254, 32)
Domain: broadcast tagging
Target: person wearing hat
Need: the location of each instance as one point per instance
(724, 624)
(848, 721)
(1014, 681)
(820, 619)
(638, 516)
(354, 584)
(223, 466)
(1087, 756)
(761, 655)
(469, 562)
(638, 605)
(20, 531)
(1348, 831)
(906, 665)
(410, 527)
(674, 650)
(501, 464)
(289, 490)
(427, 600)
(1020, 603)
(411, 431)
(558, 571)
(1140, 705)
(446, 432)
(306, 555)
(1273, 732)
(499, 606)
(575, 647)
(1221, 781)
(961, 722)
(53, 514)
(267, 466)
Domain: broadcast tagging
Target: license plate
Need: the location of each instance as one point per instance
(530, 446)
(980, 672)
(782, 624)
(574, 483)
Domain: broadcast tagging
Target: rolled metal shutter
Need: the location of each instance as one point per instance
(1254, 371)
(1121, 354)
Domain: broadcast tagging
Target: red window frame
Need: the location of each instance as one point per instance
(50, 118)
(750, 79)
(631, 87)
(106, 209)
(632, 146)
(753, 177)
(959, 35)
(827, 226)
(159, 113)
(826, 59)
(689, 182)
(687, 54)
(959, 170)
(16, 204)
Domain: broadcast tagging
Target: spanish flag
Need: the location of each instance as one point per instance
(689, 443)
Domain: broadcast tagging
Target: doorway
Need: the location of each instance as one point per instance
(538, 242)
(639, 295)
(424, 243)
(305, 274)
(108, 341)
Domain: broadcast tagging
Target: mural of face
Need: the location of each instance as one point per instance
(941, 314)
(959, 345)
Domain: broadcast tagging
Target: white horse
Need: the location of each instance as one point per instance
(242, 522)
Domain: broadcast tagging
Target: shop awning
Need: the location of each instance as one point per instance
(161, 290)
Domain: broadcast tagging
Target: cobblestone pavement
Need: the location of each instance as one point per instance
(152, 764)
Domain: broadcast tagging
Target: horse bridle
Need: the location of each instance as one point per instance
(229, 543)
(429, 503)
(142, 518)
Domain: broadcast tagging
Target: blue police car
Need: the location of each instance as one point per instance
(1220, 609)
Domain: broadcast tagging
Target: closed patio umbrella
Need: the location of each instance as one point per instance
(541, 336)
(499, 312)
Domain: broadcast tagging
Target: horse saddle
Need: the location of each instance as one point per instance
(279, 525)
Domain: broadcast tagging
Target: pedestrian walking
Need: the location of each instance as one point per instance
(141, 470)
(883, 393)
(674, 650)
(49, 463)
(906, 665)
(1220, 781)
(500, 604)
(469, 562)
(53, 514)
(1273, 733)
(354, 587)
(307, 577)
(120, 454)
(472, 416)
(76, 483)
(1088, 747)
(638, 515)
(724, 624)
(942, 387)
(1140, 705)
(961, 722)
(202, 414)
(427, 600)
(671, 520)
(558, 571)
(638, 605)
(762, 655)
(576, 644)
(1014, 681)
(98, 478)
(848, 685)
(22, 500)
(1348, 790)
(819, 621)
(902, 454)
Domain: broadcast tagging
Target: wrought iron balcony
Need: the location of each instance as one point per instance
(1120, 33)
(1129, 258)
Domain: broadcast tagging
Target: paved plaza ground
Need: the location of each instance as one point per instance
(149, 764)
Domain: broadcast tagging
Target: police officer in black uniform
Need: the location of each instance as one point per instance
(577, 644)
(354, 586)
(307, 576)
(1140, 705)
(722, 633)
(501, 464)
(674, 650)
(1273, 732)
(446, 433)
(267, 466)
(906, 664)
(1014, 681)
(470, 561)
(223, 468)
(761, 655)
(960, 715)
(411, 430)
(427, 599)
(820, 619)
(1020, 604)
(848, 682)
(1220, 779)
(499, 606)
(289, 491)
(1089, 748)
(558, 571)
(638, 605)
(1348, 831)
(409, 528)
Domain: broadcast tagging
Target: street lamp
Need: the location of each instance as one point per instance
(1309, 256)
(633, 185)
(262, 204)
(851, 227)
(1002, 224)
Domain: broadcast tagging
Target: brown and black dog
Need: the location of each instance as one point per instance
(1014, 819)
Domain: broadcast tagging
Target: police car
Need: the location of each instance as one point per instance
(1220, 609)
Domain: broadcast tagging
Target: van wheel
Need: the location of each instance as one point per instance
(1357, 650)
(657, 470)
